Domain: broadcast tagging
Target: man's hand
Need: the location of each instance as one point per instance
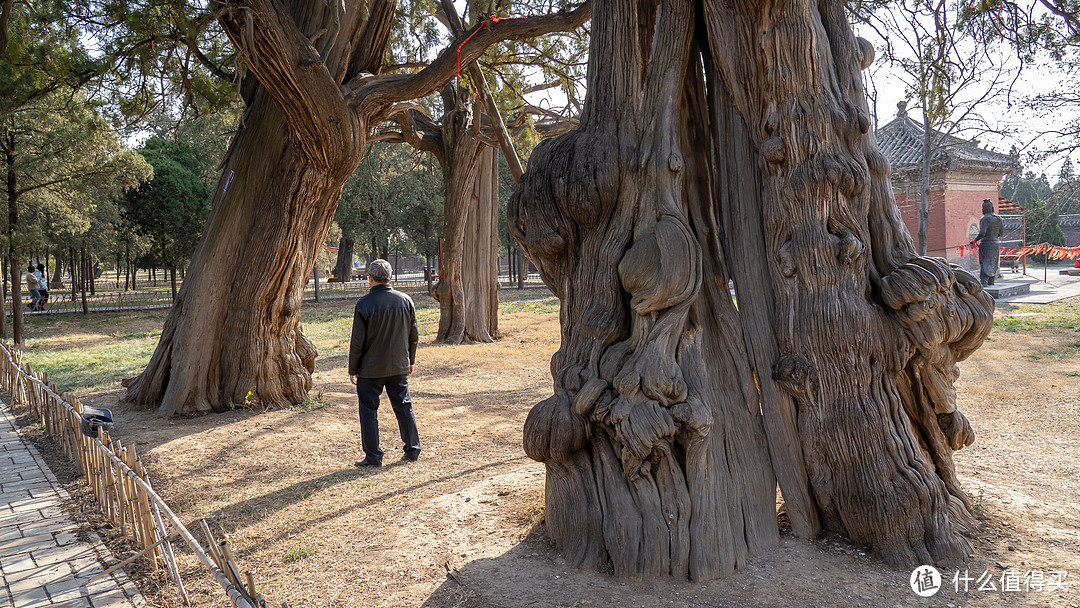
(410, 370)
(352, 378)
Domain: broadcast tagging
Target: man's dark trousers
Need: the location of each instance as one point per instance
(397, 389)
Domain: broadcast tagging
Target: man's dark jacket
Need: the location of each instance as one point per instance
(384, 334)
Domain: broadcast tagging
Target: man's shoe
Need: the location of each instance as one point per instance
(367, 463)
(411, 456)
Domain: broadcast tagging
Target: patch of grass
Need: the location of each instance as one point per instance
(298, 553)
(95, 367)
(1073, 374)
(544, 305)
(1064, 314)
(310, 404)
(304, 494)
(1067, 351)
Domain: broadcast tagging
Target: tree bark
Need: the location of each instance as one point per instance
(468, 289)
(232, 332)
(85, 276)
(675, 412)
(14, 263)
(344, 260)
(3, 296)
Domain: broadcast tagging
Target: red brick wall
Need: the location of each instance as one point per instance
(908, 203)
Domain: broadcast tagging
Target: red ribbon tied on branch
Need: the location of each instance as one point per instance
(489, 19)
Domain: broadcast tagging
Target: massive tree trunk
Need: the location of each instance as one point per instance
(729, 140)
(232, 335)
(468, 288)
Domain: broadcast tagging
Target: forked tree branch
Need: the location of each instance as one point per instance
(291, 70)
(368, 92)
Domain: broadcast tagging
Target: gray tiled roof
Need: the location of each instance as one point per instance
(901, 141)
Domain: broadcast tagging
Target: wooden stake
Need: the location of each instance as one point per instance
(170, 559)
(127, 561)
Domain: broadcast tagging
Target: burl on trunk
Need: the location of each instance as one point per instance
(730, 141)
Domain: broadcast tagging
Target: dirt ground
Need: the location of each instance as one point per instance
(463, 525)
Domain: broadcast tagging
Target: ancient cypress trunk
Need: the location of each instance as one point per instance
(233, 336)
(654, 446)
(746, 158)
(468, 288)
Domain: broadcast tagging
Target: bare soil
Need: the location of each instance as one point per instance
(463, 526)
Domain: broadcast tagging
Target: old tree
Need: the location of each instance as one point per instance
(313, 92)
(729, 140)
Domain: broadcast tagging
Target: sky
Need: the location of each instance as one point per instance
(1007, 120)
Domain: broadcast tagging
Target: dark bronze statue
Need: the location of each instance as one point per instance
(990, 230)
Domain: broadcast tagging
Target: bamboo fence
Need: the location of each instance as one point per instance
(120, 483)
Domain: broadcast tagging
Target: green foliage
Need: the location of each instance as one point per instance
(171, 208)
(43, 56)
(1042, 204)
(67, 165)
(393, 203)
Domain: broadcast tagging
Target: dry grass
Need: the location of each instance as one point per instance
(318, 532)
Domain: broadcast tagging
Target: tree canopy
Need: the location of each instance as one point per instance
(170, 208)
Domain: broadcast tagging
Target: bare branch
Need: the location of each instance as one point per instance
(371, 92)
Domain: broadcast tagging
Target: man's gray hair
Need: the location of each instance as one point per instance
(380, 270)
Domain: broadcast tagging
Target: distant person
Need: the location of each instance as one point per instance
(33, 285)
(381, 354)
(43, 286)
(991, 228)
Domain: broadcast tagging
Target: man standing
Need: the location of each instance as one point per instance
(381, 354)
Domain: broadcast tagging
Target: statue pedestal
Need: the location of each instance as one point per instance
(1007, 289)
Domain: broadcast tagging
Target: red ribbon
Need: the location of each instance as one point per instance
(489, 19)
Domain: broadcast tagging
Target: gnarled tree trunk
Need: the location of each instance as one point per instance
(233, 336)
(745, 158)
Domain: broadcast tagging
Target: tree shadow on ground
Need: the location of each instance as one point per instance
(264, 506)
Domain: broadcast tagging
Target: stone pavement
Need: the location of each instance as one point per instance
(1056, 286)
(43, 562)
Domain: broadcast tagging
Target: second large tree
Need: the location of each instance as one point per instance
(727, 140)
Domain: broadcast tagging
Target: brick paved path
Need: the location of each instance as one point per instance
(42, 561)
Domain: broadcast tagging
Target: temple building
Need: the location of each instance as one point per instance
(961, 175)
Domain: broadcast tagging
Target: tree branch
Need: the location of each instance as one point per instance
(368, 93)
(410, 117)
(5, 23)
(286, 63)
